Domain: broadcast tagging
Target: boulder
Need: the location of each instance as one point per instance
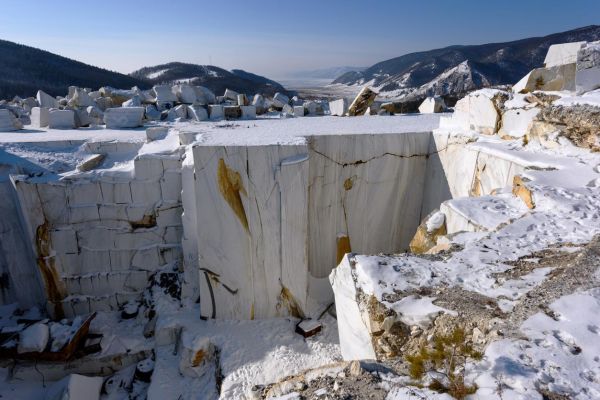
(248, 112)
(431, 105)
(76, 387)
(177, 113)
(261, 105)
(242, 100)
(80, 98)
(338, 107)
(197, 113)
(81, 118)
(479, 111)
(117, 96)
(8, 121)
(204, 95)
(231, 94)
(588, 68)
(432, 227)
(298, 111)
(135, 101)
(197, 355)
(45, 100)
(515, 122)
(124, 117)
(30, 102)
(287, 111)
(95, 94)
(164, 94)
(556, 78)
(34, 338)
(215, 112)
(40, 117)
(152, 113)
(521, 191)
(104, 103)
(95, 114)
(280, 100)
(185, 93)
(311, 108)
(90, 162)
(61, 119)
(164, 105)
(561, 54)
(363, 100)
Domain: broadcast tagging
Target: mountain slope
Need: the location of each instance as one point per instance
(24, 70)
(215, 78)
(437, 71)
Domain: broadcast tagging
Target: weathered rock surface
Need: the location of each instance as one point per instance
(579, 123)
(362, 102)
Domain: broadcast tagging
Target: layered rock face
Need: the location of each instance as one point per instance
(97, 240)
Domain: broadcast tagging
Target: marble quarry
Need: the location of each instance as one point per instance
(165, 208)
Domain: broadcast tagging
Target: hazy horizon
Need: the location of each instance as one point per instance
(274, 39)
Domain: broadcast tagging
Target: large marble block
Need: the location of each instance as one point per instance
(562, 53)
(164, 93)
(124, 117)
(40, 117)
(45, 100)
(338, 107)
(61, 119)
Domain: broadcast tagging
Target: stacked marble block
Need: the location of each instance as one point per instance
(272, 220)
(104, 236)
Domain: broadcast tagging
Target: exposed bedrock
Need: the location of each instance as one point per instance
(274, 220)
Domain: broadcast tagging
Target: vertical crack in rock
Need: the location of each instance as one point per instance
(230, 186)
(286, 298)
(45, 263)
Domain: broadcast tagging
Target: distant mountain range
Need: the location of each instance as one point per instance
(215, 78)
(24, 70)
(455, 70)
(325, 73)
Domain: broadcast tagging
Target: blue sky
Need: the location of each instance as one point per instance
(273, 37)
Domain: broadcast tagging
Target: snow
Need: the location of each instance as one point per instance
(488, 212)
(560, 354)
(435, 222)
(295, 130)
(260, 351)
(154, 75)
(414, 393)
(75, 135)
(590, 98)
(414, 310)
